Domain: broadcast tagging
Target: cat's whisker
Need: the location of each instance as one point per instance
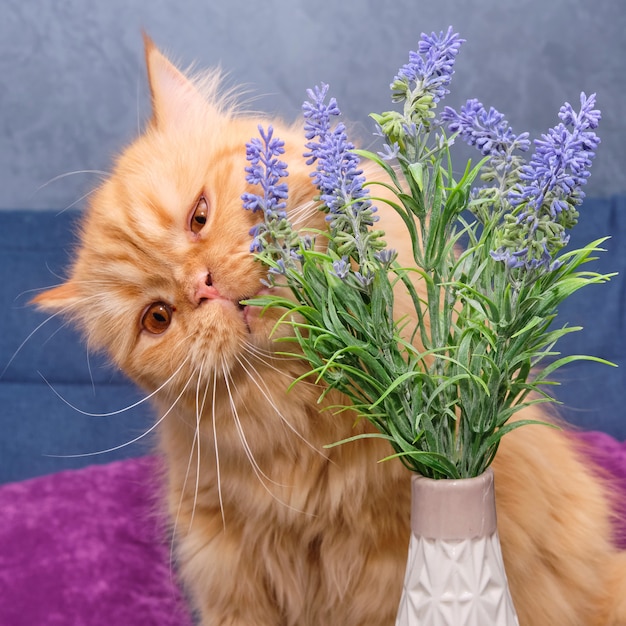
(135, 439)
(180, 501)
(77, 201)
(59, 313)
(246, 446)
(263, 357)
(195, 446)
(199, 412)
(182, 494)
(217, 455)
(248, 451)
(65, 324)
(187, 472)
(300, 214)
(265, 391)
(124, 409)
(180, 505)
(266, 359)
(263, 352)
(101, 173)
(269, 355)
(93, 383)
(102, 285)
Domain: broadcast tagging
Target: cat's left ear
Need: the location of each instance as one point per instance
(59, 299)
(175, 99)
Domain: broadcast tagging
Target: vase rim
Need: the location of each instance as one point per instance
(453, 509)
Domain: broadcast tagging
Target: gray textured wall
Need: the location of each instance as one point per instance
(73, 91)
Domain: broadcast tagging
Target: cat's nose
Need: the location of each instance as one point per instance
(203, 289)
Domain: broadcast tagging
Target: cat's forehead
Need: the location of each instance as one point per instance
(168, 171)
(139, 222)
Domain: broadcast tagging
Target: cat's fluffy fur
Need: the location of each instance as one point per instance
(271, 527)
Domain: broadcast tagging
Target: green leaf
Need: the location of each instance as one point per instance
(417, 173)
(358, 438)
(552, 367)
(510, 427)
(439, 463)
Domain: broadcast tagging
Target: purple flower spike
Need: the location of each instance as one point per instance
(561, 162)
(266, 170)
(431, 67)
(337, 173)
(486, 130)
(273, 239)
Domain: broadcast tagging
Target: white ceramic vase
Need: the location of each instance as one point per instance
(455, 573)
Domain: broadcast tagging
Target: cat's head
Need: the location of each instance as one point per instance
(164, 251)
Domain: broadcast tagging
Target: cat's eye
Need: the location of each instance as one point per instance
(199, 215)
(157, 318)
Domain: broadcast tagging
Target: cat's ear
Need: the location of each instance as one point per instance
(175, 98)
(58, 299)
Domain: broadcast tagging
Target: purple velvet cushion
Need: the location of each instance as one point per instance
(86, 548)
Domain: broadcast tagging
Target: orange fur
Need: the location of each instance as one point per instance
(271, 527)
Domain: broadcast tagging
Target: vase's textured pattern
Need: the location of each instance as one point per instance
(456, 583)
(455, 573)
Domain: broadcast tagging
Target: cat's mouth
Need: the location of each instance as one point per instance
(251, 312)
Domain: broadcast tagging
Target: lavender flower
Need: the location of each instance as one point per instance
(266, 170)
(561, 162)
(273, 238)
(486, 130)
(420, 84)
(386, 257)
(341, 268)
(338, 177)
(550, 189)
(430, 68)
(489, 131)
(389, 152)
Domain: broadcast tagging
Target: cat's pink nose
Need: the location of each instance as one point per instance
(203, 289)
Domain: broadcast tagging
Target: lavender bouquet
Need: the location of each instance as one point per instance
(445, 398)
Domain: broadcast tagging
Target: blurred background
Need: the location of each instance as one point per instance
(73, 88)
(73, 92)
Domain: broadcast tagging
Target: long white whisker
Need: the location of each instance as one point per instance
(242, 436)
(255, 466)
(304, 211)
(266, 359)
(61, 176)
(132, 441)
(266, 394)
(199, 409)
(196, 441)
(93, 384)
(217, 455)
(73, 204)
(39, 327)
(182, 493)
(118, 411)
(266, 354)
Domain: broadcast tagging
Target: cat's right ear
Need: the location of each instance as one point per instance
(58, 299)
(175, 99)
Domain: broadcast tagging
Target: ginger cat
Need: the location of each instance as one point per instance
(271, 528)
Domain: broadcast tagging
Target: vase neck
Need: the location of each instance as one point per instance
(453, 509)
